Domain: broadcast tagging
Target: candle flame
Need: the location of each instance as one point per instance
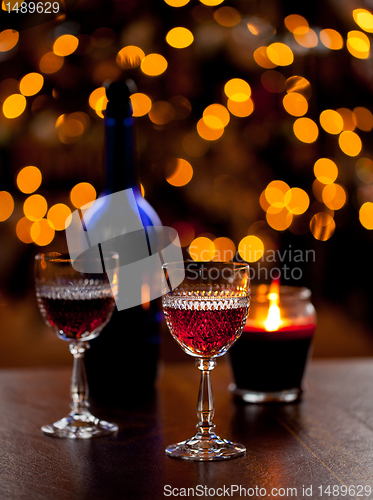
(273, 321)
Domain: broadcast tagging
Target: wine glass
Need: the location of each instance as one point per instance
(206, 314)
(76, 305)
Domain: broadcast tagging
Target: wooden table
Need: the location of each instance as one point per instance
(325, 440)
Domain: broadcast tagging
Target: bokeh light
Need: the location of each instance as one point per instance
(331, 121)
(35, 207)
(307, 39)
(279, 219)
(364, 170)
(331, 39)
(58, 215)
(14, 106)
(202, 249)
(180, 172)
(325, 170)
(280, 54)
(29, 179)
(322, 226)
(101, 106)
(208, 133)
(42, 232)
(261, 58)
(260, 27)
(251, 248)
(358, 44)
(141, 104)
(161, 112)
(240, 108)
(153, 65)
(317, 189)
(176, 3)
(364, 19)
(237, 89)
(31, 84)
(82, 194)
(350, 143)
(295, 21)
(300, 85)
(98, 100)
(65, 45)
(334, 196)
(213, 122)
(70, 128)
(8, 39)
(306, 130)
(364, 194)
(263, 202)
(23, 229)
(7, 87)
(297, 201)
(366, 215)
(179, 38)
(275, 193)
(227, 16)
(6, 205)
(95, 96)
(211, 3)
(364, 118)
(130, 57)
(349, 119)
(225, 249)
(219, 111)
(295, 104)
(50, 63)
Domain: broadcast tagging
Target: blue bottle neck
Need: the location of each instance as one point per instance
(120, 154)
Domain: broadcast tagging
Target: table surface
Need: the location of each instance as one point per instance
(324, 440)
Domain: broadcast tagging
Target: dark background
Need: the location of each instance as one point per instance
(252, 151)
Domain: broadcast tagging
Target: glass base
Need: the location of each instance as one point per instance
(284, 396)
(79, 426)
(201, 448)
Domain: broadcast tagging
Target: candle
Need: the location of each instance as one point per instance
(269, 359)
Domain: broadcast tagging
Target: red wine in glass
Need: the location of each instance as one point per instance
(205, 314)
(77, 305)
(205, 326)
(76, 312)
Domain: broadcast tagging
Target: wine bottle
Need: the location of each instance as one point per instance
(123, 358)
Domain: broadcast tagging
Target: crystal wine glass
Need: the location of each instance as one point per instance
(76, 306)
(206, 314)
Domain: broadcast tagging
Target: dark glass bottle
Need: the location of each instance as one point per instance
(123, 358)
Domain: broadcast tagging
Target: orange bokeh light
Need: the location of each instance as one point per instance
(83, 194)
(6, 205)
(29, 179)
(181, 172)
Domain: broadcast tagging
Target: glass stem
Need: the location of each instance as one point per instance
(79, 386)
(205, 405)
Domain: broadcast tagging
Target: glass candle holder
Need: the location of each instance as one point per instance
(269, 360)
